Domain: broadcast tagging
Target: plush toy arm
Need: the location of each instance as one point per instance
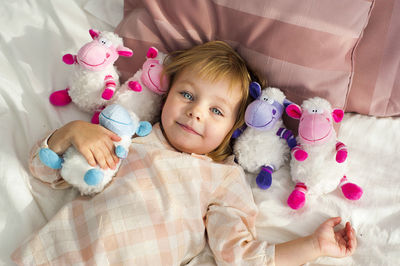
(50, 158)
(341, 152)
(109, 84)
(298, 153)
(287, 134)
(69, 59)
(144, 128)
(121, 152)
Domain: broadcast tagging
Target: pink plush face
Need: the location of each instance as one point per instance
(100, 53)
(151, 76)
(316, 124)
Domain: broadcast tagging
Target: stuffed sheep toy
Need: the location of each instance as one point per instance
(142, 93)
(264, 145)
(74, 168)
(94, 78)
(318, 164)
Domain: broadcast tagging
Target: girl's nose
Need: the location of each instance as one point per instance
(195, 113)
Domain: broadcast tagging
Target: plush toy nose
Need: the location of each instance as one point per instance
(315, 128)
(260, 115)
(92, 54)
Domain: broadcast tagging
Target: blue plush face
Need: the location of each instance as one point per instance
(117, 119)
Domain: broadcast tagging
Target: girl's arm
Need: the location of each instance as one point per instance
(323, 242)
(93, 141)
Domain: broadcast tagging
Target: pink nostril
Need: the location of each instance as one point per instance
(152, 65)
(107, 55)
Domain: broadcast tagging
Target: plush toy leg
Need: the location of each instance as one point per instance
(95, 117)
(50, 158)
(135, 86)
(264, 178)
(93, 177)
(350, 190)
(297, 198)
(60, 98)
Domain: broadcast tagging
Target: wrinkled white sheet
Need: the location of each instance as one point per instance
(33, 37)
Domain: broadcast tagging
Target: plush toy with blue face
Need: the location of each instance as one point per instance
(74, 168)
(264, 145)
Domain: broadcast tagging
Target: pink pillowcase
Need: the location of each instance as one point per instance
(306, 48)
(375, 87)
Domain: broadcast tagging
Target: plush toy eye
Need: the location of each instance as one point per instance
(105, 42)
(268, 100)
(319, 111)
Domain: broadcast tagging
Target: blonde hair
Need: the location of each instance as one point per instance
(215, 60)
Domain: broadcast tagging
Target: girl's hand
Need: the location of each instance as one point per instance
(337, 244)
(94, 142)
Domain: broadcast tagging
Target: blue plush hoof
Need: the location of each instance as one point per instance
(93, 177)
(144, 129)
(50, 158)
(121, 152)
(264, 179)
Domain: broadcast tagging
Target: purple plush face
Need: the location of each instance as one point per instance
(263, 113)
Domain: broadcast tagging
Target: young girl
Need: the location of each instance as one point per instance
(179, 186)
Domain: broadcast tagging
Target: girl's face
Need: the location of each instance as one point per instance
(199, 113)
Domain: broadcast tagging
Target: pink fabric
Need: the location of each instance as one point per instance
(301, 47)
(154, 213)
(375, 87)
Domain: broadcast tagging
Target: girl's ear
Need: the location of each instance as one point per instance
(337, 115)
(255, 89)
(294, 111)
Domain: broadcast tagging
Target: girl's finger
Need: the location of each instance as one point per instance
(111, 147)
(98, 155)
(89, 157)
(107, 153)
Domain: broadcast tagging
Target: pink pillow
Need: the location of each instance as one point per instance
(375, 87)
(303, 47)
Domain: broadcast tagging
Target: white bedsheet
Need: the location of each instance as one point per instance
(33, 37)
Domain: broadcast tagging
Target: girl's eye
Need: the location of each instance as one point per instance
(216, 111)
(187, 95)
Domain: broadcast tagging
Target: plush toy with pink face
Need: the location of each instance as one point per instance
(94, 78)
(319, 160)
(142, 93)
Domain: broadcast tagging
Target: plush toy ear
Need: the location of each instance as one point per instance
(144, 128)
(152, 52)
(124, 51)
(94, 33)
(294, 111)
(255, 89)
(337, 115)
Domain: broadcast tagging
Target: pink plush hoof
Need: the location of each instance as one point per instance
(341, 156)
(60, 98)
(300, 155)
(68, 59)
(352, 191)
(135, 86)
(152, 52)
(296, 199)
(107, 94)
(95, 118)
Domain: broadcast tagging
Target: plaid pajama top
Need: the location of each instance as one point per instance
(159, 210)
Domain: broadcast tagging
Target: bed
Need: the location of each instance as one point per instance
(35, 35)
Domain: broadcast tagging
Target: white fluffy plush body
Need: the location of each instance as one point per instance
(145, 103)
(75, 167)
(86, 87)
(320, 171)
(255, 148)
(142, 93)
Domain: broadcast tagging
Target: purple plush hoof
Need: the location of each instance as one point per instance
(296, 199)
(264, 179)
(352, 191)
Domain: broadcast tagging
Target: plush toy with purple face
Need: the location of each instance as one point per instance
(264, 111)
(264, 145)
